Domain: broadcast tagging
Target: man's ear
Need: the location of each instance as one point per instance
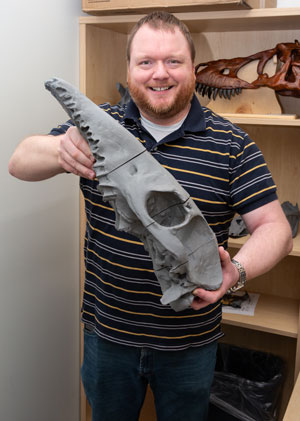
(127, 69)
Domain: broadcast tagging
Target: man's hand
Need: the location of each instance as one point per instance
(270, 240)
(41, 157)
(74, 154)
(230, 277)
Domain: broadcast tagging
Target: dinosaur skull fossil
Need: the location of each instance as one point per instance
(148, 201)
(220, 77)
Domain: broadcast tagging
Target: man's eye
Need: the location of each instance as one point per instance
(173, 62)
(145, 63)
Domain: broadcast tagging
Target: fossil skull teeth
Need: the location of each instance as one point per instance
(212, 91)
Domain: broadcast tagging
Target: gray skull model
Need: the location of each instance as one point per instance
(148, 201)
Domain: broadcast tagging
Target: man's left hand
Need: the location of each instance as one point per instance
(230, 277)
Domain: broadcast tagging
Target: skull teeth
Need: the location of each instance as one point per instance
(212, 91)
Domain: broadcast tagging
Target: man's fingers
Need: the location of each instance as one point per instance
(78, 164)
(78, 169)
(75, 149)
(224, 255)
(208, 296)
(75, 155)
(199, 303)
(79, 142)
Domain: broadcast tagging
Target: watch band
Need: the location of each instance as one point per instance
(242, 278)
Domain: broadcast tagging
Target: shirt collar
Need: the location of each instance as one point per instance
(195, 121)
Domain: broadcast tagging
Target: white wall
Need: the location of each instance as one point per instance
(39, 258)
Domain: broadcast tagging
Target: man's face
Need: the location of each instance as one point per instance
(161, 76)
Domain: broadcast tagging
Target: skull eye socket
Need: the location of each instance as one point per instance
(166, 208)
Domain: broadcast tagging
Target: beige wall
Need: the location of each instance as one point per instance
(39, 258)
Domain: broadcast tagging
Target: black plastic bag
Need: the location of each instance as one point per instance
(246, 386)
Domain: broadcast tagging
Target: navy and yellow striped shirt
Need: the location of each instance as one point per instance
(224, 172)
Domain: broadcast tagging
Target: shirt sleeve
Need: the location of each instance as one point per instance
(61, 129)
(251, 183)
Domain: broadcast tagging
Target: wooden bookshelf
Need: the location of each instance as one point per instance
(226, 34)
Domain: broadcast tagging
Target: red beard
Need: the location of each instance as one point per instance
(166, 110)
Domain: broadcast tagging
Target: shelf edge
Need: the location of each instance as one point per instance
(268, 309)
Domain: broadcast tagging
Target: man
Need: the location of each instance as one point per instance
(130, 338)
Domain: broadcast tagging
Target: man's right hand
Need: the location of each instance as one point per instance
(41, 157)
(74, 154)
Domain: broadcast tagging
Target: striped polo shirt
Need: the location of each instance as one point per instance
(224, 172)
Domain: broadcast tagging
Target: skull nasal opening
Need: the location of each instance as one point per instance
(166, 208)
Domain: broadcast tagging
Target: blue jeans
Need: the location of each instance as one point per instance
(115, 379)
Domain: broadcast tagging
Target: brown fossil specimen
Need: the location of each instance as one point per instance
(220, 77)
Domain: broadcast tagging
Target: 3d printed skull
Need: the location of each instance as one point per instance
(220, 77)
(148, 201)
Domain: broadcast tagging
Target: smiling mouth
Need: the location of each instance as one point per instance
(160, 88)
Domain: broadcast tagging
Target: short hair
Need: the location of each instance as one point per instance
(161, 20)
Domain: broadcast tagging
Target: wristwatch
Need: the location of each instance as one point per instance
(242, 279)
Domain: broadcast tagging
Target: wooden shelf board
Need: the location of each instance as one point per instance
(239, 242)
(115, 6)
(293, 409)
(228, 21)
(273, 314)
(265, 120)
(242, 20)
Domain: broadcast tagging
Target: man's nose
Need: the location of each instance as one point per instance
(160, 71)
